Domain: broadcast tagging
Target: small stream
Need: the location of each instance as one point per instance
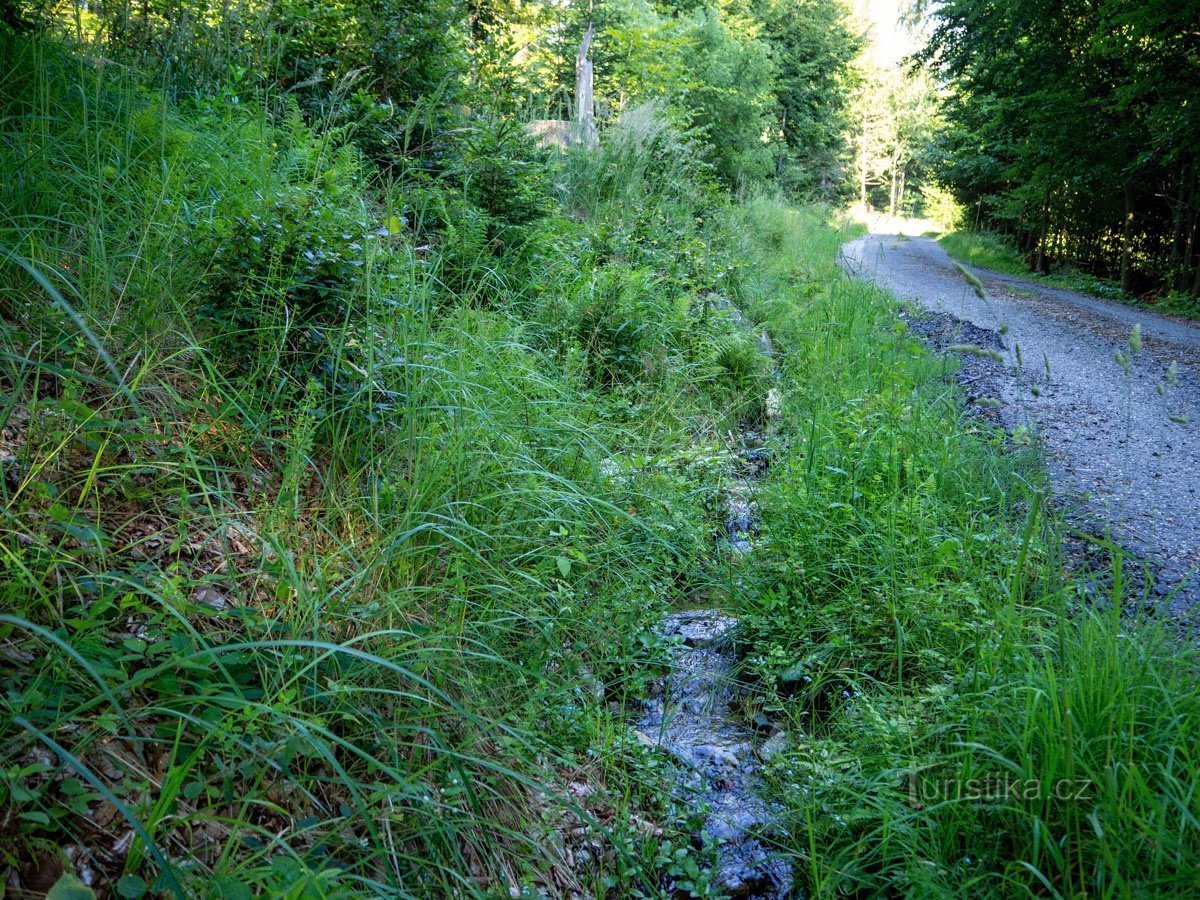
(692, 714)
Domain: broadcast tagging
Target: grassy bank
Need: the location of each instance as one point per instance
(338, 505)
(995, 252)
(986, 250)
(961, 720)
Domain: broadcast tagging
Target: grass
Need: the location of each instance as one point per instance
(962, 720)
(986, 250)
(327, 542)
(992, 251)
(338, 510)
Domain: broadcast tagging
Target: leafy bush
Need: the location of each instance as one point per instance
(489, 200)
(628, 326)
(742, 372)
(284, 262)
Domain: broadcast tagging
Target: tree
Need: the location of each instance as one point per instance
(1072, 129)
(813, 49)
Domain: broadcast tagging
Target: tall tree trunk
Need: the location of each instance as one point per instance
(1187, 218)
(895, 174)
(1040, 254)
(862, 166)
(1193, 258)
(585, 107)
(781, 158)
(1127, 239)
(1177, 227)
(1189, 251)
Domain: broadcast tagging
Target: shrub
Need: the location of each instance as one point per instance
(290, 258)
(628, 325)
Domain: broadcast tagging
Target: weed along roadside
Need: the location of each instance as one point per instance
(1106, 391)
(960, 720)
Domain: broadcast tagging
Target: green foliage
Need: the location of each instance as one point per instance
(627, 332)
(305, 549)
(352, 446)
(969, 725)
(989, 251)
(291, 260)
(493, 199)
(728, 95)
(1070, 138)
(993, 251)
(939, 206)
(897, 122)
(813, 47)
(763, 88)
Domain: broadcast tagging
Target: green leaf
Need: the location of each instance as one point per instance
(228, 889)
(69, 887)
(131, 886)
(564, 566)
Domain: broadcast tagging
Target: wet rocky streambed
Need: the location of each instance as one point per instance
(694, 714)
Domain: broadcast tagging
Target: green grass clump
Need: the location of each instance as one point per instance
(986, 250)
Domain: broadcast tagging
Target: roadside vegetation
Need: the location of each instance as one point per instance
(986, 250)
(995, 252)
(353, 444)
(968, 714)
(337, 510)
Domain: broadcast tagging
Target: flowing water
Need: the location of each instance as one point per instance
(693, 717)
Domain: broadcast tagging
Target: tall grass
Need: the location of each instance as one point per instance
(338, 508)
(984, 249)
(963, 723)
(329, 532)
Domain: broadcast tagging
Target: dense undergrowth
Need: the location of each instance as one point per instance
(339, 505)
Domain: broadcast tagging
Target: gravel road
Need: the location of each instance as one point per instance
(1115, 456)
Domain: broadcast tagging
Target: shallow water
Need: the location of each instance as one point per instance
(693, 718)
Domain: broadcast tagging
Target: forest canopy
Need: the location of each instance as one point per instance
(1073, 127)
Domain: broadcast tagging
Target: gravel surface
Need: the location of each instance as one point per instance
(1115, 455)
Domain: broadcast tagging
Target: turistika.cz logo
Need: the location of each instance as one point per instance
(925, 788)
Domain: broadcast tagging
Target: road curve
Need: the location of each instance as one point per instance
(1111, 443)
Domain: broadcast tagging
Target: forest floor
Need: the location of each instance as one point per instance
(1120, 440)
